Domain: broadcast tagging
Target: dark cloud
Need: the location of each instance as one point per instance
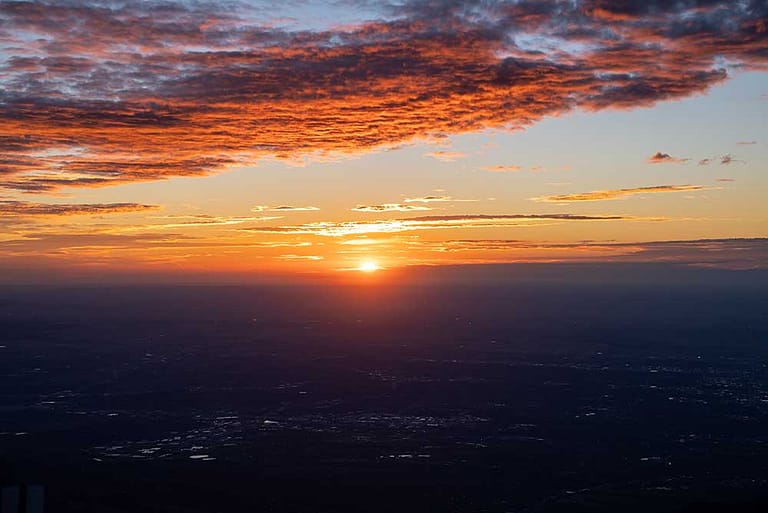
(497, 217)
(729, 159)
(438, 199)
(665, 158)
(94, 93)
(725, 160)
(389, 207)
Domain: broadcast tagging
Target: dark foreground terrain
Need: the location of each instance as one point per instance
(506, 397)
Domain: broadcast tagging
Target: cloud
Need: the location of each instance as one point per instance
(35, 244)
(725, 160)
(283, 208)
(13, 208)
(665, 158)
(729, 159)
(446, 156)
(346, 228)
(438, 199)
(389, 207)
(726, 180)
(723, 253)
(94, 93)
(192, 221)
(503, 169)
(370, 242)
(299, 257)
(514, 169)
(495, 217)
(746, 143)
(617, 193)
(106, 244)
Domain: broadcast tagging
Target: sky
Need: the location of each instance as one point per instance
(313, 138)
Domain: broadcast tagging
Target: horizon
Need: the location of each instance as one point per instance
(481, 274)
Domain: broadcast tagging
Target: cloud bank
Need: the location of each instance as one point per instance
(94, 93)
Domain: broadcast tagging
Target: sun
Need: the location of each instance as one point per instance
(368, 266)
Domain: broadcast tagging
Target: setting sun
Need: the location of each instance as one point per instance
(368, 266)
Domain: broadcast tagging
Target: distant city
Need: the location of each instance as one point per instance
(508, 397)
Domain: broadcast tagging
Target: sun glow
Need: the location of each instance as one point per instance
(368, 266)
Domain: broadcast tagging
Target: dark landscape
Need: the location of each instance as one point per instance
(506, 396)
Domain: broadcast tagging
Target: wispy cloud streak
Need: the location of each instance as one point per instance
(613, 194)
(733, 253)
(390, 207)
(439, 199)
(283, 208)
(14, 208)
(346, 228)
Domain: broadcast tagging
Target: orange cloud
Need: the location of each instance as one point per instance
(94, 95)
(192, 221)
(347, 228)
(617, 193)
(447, 156)
(13, 208)
(299, 257)
(503, 169)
